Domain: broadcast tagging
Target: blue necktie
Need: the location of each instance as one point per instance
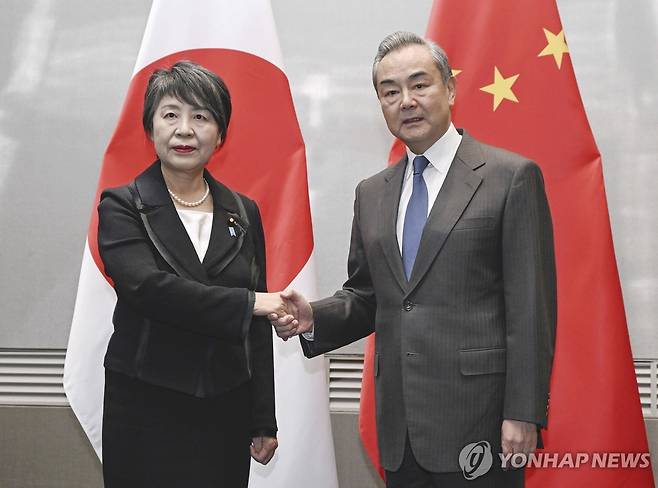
(415, 216)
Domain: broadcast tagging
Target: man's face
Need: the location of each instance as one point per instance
(415, 100)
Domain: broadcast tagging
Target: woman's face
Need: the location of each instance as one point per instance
(184, 136)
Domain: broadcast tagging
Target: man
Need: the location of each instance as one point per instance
(451, 262)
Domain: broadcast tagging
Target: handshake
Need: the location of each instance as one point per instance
(288, 311)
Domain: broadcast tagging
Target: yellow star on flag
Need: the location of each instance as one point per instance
(455, 72)
(501, 88)
(556, 46)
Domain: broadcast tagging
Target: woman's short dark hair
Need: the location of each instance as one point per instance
(189, 83)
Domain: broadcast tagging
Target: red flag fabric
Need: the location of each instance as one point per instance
(367, 421)
(239, 163)
(516, 89)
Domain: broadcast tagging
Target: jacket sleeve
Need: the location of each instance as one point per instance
(260, 343)
(349, 314)
(530, 296)
(160, 295)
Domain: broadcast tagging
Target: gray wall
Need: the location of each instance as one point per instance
(66, 69)
(66, 66)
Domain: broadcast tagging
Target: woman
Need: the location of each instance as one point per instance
(189, 377)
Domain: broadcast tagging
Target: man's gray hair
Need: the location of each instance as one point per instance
(401, 39)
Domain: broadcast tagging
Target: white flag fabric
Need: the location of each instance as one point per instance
(238, 41)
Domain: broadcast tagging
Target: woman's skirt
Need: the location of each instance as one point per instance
(157, 437)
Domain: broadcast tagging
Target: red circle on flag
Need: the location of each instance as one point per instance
(263, 156)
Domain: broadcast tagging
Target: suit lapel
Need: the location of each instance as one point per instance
(222, 240)
(456, 192)
(161, 215)
(389, 214)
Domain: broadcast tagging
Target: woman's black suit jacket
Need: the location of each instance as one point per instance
(191, 330)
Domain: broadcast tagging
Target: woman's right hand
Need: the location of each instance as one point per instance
(268, 303)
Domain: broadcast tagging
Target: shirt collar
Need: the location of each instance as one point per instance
(440, 154)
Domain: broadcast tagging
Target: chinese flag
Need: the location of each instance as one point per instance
(516, 89)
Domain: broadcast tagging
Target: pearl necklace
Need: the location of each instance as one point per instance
(191, 204)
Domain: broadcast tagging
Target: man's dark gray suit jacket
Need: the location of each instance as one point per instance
(468, 340)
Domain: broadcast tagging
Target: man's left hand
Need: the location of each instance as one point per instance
(518, 437)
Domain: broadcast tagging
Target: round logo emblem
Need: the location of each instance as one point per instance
(475, 459)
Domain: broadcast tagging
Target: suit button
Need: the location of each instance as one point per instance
(408, 305)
